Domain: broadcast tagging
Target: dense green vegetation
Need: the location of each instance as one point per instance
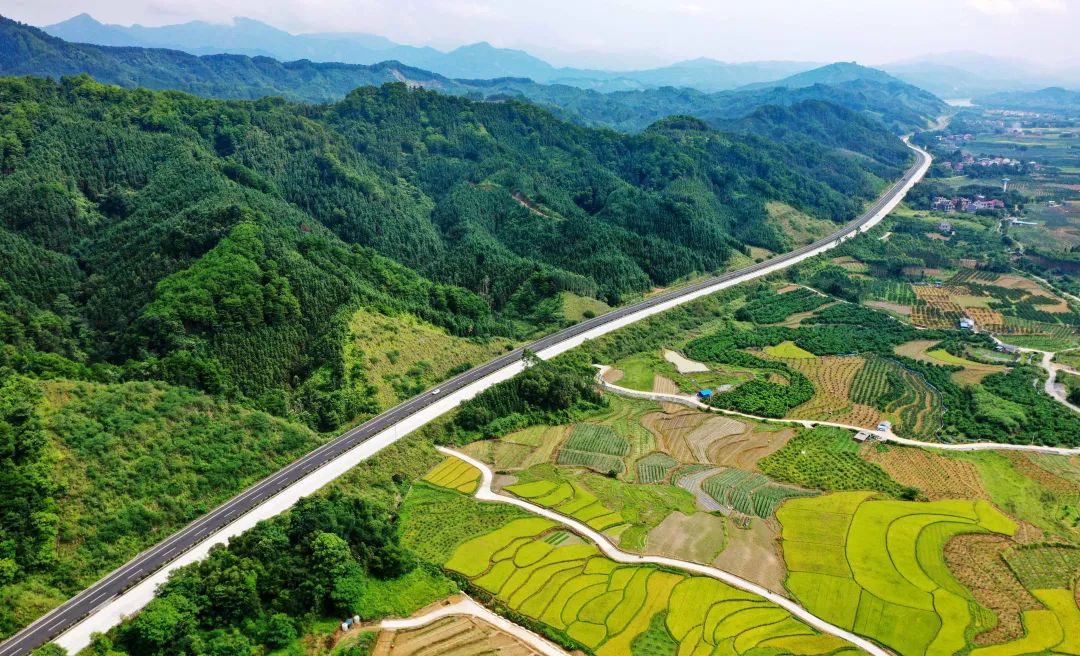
(826, 458)
(223, 245)
(335, 554)
(26, 50)
(553, 392)
(93, 473)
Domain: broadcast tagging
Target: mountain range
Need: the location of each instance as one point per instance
(25, 50)
(957, 74)
(479, 60)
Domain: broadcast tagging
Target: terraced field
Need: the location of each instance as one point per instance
(833, 378)
(595, 446)
(750, 493)
(898, 394)
(607, 606)
(571, 499)
(927, 351)
(455, 474)
(459, 635)
(877, 567)
(625, 511)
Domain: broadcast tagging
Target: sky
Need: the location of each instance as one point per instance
(644, 32)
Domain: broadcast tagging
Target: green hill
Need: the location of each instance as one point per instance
(224, 245)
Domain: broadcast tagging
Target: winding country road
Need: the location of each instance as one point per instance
(693, 402)
(127, 589)
(485, 493)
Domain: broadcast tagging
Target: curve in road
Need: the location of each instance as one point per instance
(125, 590)
(485, 493)
(687, 400)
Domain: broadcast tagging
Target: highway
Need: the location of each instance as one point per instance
(387, 428)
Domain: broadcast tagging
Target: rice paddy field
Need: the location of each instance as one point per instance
(877, 566)
(611, 608)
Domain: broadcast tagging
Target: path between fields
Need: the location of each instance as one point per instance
(467, 606)
(485, 493)
(693, 402)
(1052, 368)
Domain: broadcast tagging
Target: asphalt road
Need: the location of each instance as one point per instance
(75, 609)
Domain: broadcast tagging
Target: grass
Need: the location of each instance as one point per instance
(788, 350)
(576, 308)
(401, 356)
(899, 590)
(638, 371)
(1023, 497)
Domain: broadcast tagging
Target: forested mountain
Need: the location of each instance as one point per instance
(28, 51)
(25, 50)
(900, 106)
(1052, 99)
(221, 244)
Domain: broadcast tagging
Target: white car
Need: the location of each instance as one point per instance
(436, 391)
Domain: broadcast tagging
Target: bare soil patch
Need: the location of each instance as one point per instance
(671, 428)
(754, 554)
(745, 450)
(683, 364)
(614, 375)
(698, 537)
(904, 310)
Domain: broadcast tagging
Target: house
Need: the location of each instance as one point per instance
(943, 204)
(967, 324)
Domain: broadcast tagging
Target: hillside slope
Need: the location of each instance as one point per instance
(225, 244)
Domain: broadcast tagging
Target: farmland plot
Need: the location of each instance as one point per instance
(606, 606)
(877, 566)
(750, 493)
(594, 446)
(937, 476)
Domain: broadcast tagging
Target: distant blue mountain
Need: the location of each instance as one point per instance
(245, 36)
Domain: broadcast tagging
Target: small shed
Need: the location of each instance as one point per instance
(967, 324)
(885, 427)
(862, 436)
(705, 394)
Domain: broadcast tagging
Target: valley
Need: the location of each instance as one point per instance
(314, 343)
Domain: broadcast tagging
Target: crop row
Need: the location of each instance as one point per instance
(748, 492)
